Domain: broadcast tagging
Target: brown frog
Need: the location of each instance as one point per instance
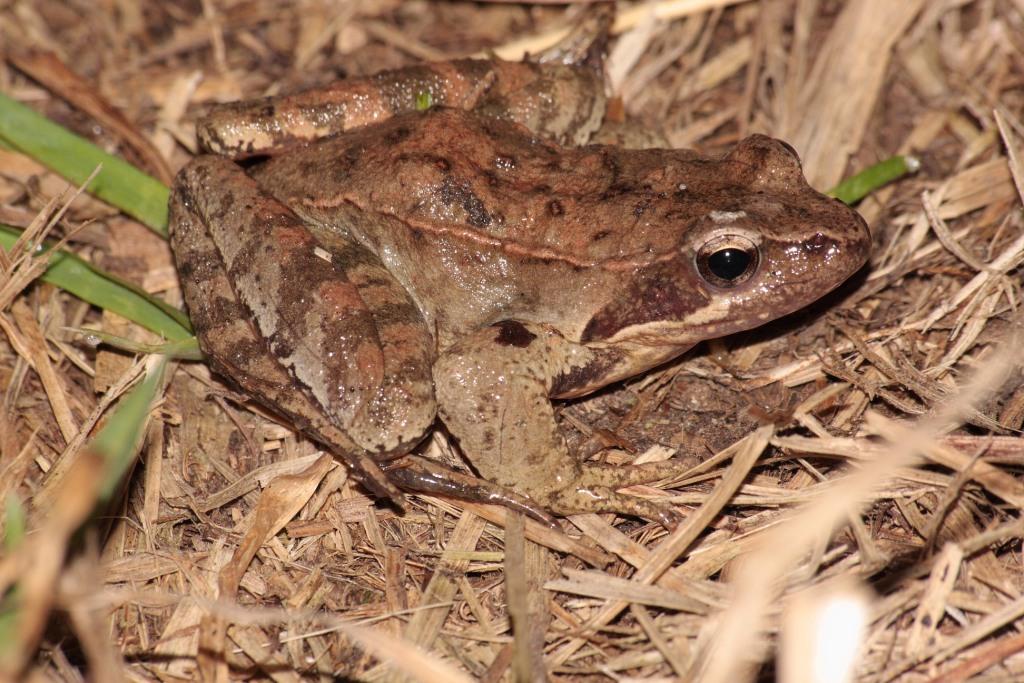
(387, 265)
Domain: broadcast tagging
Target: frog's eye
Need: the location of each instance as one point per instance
(727, 260)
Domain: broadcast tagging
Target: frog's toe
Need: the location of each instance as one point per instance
(670, 517)
(581, 499)
(418, 474)
(618, 476)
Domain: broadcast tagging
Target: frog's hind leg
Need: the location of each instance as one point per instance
(338, 347)
(493, 391)
(519, 91)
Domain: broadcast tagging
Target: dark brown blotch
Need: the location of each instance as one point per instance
(186, 269)
(223, 204)
(397, 134)
(610, 162)
(280, 346)
(395, 313)
(352, 155)
(457, 192)
(660, 292)
(513, 333)
(214, 312)
(617, 189)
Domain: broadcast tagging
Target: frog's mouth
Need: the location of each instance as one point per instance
(720, 312)
(682, 335)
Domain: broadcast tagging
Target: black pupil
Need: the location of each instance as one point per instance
(728, 264)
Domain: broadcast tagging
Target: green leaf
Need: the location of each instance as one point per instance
(118, 182)
(109, 292)
(854, 189)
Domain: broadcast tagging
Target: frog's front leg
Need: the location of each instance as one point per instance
(493, 390)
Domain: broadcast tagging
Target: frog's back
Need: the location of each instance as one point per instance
(477, 178)
(477, 217)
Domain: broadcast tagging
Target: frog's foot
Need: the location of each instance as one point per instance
(594, 491)
(420, 475)
(603, 474)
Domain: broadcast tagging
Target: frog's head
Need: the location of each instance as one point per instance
(763, 244)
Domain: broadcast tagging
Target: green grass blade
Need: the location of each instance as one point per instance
(118, 183)
(185, 349)
(854, 189)
(109, 292)
(9, 616)
(15, 523)
(117, 443)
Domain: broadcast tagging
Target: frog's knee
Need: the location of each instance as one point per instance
(392, 422)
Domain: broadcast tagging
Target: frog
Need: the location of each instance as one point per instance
(441, 243)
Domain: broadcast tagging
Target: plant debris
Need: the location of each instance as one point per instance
(862, 458)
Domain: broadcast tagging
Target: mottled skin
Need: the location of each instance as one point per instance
(457, 263)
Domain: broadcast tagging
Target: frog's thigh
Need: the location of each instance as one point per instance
(335, 319)
(492, 392)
